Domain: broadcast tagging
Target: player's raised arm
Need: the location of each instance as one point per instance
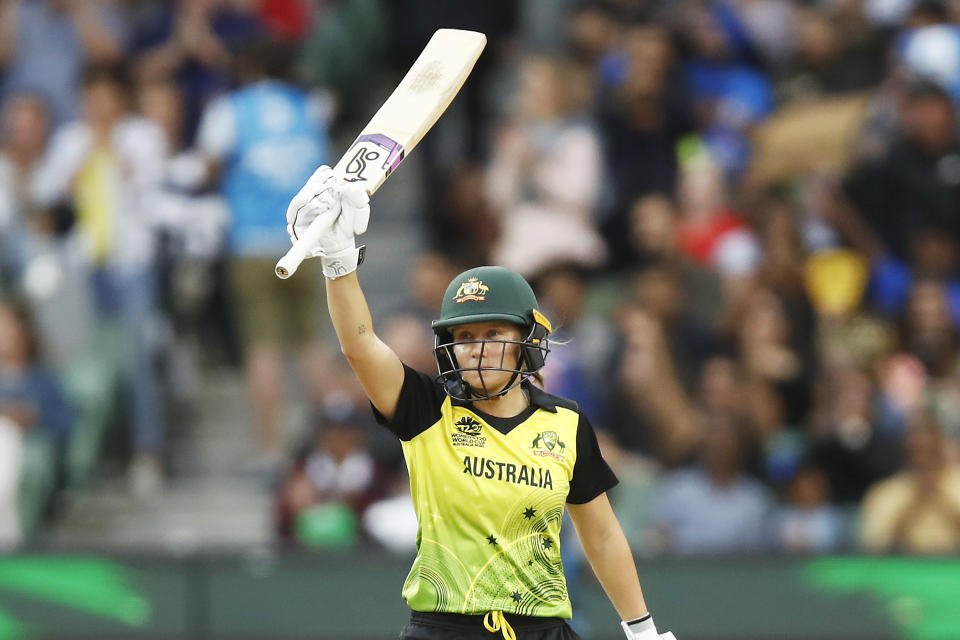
(347, 209)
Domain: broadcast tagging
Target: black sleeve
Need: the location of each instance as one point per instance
(591, 474)
(418, 406)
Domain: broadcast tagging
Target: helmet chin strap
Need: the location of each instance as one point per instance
(513, 382)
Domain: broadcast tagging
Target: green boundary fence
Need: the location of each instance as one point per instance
(355, 595)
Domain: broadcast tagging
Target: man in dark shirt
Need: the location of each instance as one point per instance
(915, 185)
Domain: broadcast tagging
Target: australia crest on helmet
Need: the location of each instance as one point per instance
(471, 290)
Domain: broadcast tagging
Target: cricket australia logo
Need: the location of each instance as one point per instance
(468, 433)
(547, 444)
(472, 289)
(367, 152)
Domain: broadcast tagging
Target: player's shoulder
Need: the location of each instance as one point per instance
(416, 381)
(550, 402)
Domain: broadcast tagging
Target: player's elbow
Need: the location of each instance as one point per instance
(362, 351)
(353, 352)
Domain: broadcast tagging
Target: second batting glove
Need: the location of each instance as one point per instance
(644, 629)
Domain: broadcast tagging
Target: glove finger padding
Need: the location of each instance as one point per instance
(355, 203)
(321, 180)
(297, 231)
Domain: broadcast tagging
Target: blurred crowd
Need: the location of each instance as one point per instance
(743, 216)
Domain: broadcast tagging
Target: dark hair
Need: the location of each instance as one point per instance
(934, 10)
(115, 74)
(923, 88)
(267, 56)
(570, 267)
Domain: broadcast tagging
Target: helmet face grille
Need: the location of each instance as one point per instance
(533, 351)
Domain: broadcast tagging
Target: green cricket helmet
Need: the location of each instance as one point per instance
(490, 294)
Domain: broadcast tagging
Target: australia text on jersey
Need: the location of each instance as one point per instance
(508, 472)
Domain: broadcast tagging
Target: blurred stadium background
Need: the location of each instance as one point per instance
(744, 216)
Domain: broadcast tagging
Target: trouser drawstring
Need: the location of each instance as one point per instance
(495, 621)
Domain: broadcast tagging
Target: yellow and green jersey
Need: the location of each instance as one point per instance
(489, 495)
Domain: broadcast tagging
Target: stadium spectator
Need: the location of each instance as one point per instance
(918, 509)
(709, 232)
(777, 372)
(644, 109)
(25, 131)
(427, 269)
(730, 94)
(648, 410)
(847, 437)
(929, 329)
(544, 177)
(713, 506)
(30, 393)
(30, 398)
(652, 236)
(915, 184)
(464, 224)
(576, 369)
(826, 62)
(334, 466)
(35, 261)
(263, 141)
(191, 222)
(46, 44)
(108, 166)
(808, 523)
(656, 287)
(194, 43)
(720, 388)
(343, 42)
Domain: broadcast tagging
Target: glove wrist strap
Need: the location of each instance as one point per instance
(339, 264)
(640, 628)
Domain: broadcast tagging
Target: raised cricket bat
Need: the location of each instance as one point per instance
(413, 107)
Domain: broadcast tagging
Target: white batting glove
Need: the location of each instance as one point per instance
(318, 197)
(644, 629)
(339, 252)
(347, 205)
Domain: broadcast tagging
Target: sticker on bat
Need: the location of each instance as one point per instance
(369, 149)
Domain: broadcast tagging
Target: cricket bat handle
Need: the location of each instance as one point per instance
(289, 263)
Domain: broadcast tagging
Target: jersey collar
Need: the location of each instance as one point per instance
(538, 398)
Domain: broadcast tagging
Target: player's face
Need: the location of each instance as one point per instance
(483, 354)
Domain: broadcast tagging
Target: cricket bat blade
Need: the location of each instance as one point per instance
(401, 122)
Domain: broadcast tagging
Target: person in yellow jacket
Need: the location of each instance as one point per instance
(493, 459)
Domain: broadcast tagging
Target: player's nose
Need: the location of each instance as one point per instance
(477, 350)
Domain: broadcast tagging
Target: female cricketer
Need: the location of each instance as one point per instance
(493, 459)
